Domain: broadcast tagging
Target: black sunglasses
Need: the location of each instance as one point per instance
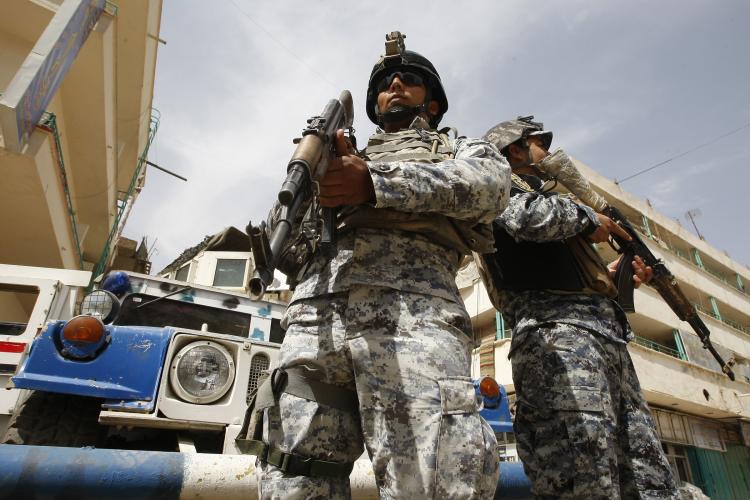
(407, 77)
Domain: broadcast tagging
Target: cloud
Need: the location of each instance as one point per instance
(622, 85)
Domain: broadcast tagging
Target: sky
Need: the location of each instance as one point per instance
(623, 85)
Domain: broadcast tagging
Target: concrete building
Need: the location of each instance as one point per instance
(76, 122)
(223, 260)
(702, 417)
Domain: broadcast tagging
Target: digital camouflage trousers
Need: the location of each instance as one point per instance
(583, 428)
(407, 356)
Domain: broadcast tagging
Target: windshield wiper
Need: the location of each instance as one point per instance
(157, 299)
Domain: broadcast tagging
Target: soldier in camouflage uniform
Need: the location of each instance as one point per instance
(376, 330)
(582, 426)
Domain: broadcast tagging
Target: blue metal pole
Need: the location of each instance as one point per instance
(43, 472)
(47, 472)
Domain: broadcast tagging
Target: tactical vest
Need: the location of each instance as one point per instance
(420, 146)
(568, 266)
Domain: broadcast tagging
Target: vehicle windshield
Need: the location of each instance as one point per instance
(182, 314)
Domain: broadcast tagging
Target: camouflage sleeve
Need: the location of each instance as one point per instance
(543, 217)
(473, 186)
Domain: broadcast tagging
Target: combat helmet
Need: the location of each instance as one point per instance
(504, 134)
(397, 57)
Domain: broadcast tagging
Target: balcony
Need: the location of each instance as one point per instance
(672, 383)
(655, 346)
(65, 190)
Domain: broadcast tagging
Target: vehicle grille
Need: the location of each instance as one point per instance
(258, 372)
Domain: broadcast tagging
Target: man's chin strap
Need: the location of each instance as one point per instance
(399, 114)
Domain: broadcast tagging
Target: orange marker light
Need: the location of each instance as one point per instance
(84, 329)
(489, 388)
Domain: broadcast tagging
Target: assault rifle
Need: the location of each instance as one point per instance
(309, 163)
(663, 281)
(561, 168)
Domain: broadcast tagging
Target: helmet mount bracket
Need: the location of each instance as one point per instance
(394, 45)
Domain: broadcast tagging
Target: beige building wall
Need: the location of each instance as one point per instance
(65, 189)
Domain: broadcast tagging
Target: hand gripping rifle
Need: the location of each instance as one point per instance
(315, 149)
(663, 280)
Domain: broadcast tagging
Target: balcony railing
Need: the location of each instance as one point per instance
(654, 346)
(49, 122)
(715, 274)
(124, 205)
(726, 321)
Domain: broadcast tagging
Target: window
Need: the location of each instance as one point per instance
(506, 446)
(182, 273)
(671, 426)
(230, 272)
(679, 462)
(706, 435)
(16, 305)
(277, 333)
(181, 314)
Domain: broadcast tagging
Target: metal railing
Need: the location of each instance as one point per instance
(655, 346)
(724, 279)
(127, 200)
(726, 321)
(49, 122)
(111, 8)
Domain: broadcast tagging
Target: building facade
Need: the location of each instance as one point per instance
(702, 417)
(76, 122)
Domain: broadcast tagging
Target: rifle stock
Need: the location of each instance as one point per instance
(309, 163)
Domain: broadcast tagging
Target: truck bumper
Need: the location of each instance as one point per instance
(128, 368)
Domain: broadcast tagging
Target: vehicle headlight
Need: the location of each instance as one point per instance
(202, 372)
(102, 304)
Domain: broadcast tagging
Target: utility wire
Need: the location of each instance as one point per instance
(652, 167)
(287, 49)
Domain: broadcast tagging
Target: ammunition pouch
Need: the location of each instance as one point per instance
(415, 145)
(297, 383)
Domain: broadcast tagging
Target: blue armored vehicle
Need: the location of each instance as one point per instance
(148, 363)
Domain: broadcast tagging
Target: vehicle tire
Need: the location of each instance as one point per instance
(50, 419)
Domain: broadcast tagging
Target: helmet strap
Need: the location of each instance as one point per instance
(399, 114)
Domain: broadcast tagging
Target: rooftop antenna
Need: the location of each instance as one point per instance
(691, 215)
(153, 250)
